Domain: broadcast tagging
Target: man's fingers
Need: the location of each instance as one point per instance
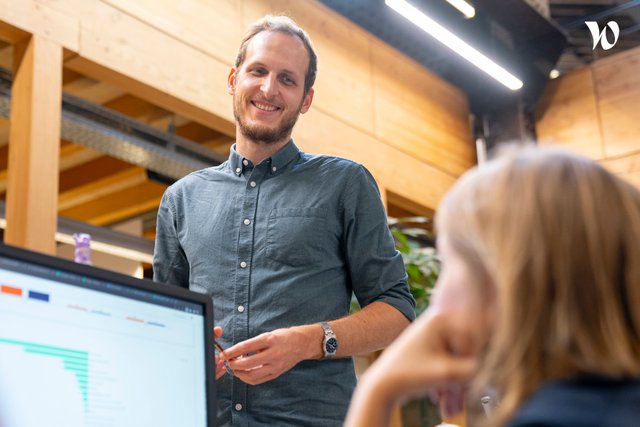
(217, 332)
(246, 363)
(220, 368)
(256, 376)
(253, 345)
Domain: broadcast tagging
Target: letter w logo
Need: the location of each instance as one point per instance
(601, 37)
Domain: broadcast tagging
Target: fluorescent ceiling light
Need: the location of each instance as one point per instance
(454, 43)
(465, 8)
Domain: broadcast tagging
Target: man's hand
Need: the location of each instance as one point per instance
(269, 355)
(220, 369)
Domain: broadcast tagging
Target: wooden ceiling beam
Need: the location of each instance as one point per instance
(6, 56)
(11, 34)
(99, 188)
(92, 90)
(4, 131)
(199, 133)
(118, 206)
(95, 169)
(72, 155)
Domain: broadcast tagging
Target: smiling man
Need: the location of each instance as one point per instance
(281, 239)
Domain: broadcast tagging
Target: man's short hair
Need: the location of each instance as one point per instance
(286, 25)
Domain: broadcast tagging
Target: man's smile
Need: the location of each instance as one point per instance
(264, 106)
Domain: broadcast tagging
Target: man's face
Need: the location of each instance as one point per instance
(268, 87)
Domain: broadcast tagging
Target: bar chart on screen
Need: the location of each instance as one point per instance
(73, 357)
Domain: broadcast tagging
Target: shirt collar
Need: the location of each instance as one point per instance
(277, 162)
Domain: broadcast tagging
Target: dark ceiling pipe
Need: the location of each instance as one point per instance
(603, 14)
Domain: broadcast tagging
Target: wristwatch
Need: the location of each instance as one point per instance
(330, 342)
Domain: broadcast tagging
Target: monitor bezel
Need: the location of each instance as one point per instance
(38, 258)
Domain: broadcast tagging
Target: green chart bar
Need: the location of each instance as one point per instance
(74, 361)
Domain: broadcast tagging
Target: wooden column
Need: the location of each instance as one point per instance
(34, 145)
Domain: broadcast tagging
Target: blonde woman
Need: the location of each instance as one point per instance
(539, 297)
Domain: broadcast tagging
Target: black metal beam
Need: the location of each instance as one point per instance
(122, 137)
(602, 14)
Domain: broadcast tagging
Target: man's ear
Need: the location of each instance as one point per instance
(231, 81)
(306, 103)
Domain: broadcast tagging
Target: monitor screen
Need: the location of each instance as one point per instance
(80, 346)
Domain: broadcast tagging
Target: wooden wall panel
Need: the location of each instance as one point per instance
(214, 29)
(37, 17)
(379, 90)
(617, 84)
(419, 114)
(317, 133)
(155, 58)
(621, 125)
(617, 76)
(596, 111)
(177, 55)
(626, 167)
(157, 96)
(568, 115)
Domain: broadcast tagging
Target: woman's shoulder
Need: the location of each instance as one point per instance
(582, 402)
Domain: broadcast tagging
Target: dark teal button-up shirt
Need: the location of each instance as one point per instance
(280, 244)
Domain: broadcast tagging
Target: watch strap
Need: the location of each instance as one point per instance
(329, 342)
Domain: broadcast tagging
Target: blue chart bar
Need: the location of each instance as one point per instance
(39, 296)
(74, 361)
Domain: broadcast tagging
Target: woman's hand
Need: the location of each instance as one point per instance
(432, 353)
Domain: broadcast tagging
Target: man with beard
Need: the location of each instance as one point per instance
(280, 239)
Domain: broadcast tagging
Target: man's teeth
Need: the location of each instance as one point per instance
(265, 107)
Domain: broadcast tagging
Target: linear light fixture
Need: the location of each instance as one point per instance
(465, 8)
(455, 43)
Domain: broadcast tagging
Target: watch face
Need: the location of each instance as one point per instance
(331, 345)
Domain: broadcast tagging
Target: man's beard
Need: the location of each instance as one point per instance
(264, 134)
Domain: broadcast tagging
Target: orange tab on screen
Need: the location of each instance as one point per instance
(5, 289)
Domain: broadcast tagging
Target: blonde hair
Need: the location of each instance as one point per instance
(557, 238)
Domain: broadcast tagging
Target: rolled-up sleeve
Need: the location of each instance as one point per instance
(375, 266)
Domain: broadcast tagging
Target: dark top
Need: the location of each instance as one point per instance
(280, 244)
(584, 402)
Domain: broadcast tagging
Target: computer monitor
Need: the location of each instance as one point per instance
(82, 346)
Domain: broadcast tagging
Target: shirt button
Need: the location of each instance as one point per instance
(245, 162)
(247, 221)
(238, 406)
(252, 183)
(241, 308)
(238, 170)
(273, 169)
(243, 264)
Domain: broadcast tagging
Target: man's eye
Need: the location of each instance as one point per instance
(259, 71)
(288, 81)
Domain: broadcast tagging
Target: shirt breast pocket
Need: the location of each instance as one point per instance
(295, 235)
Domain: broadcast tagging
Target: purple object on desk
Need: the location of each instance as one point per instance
(83, 248)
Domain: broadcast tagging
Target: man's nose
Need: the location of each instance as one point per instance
(269, 85)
